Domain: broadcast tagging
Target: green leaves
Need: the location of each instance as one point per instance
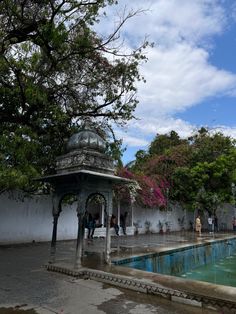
(17, 161)
(200, 170)
(55, 71)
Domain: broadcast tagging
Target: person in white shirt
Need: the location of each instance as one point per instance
(210, 224)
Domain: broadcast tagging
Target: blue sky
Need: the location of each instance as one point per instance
(191, 71)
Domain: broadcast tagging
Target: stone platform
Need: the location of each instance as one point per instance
(200, 294)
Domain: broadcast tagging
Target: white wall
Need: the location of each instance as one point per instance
(155, 215)
(26, 219)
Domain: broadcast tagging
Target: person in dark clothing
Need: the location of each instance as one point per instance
(90, 226)
(215, 221)
(234, 224)
(113, 224)
(123, 218)
(96, 224)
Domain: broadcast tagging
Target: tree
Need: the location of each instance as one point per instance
(163, 142)
(197, 172)
(207, 146)
(55, 71)
(141, 158)
(211, 169)
(165, 154)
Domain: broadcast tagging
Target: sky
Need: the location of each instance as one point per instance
(191, 70)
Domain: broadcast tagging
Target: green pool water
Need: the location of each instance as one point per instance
(222, 272)
(213, 262)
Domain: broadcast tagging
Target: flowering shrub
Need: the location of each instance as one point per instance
(151, 194)
(144, 189)
(126, 192)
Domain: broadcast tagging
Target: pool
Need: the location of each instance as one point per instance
(213, 262)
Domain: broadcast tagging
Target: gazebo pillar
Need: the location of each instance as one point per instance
(79, 241)
(56, 212)
(118, 212)
(108, 241)
(108, 233)
(54, 239)
(132, 213)
(81, 228)
(103, 215)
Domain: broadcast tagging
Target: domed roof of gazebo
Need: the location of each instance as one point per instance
(86, 150)
(86, 138)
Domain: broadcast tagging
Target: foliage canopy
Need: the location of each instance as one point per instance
(198, 172)
(56, 71)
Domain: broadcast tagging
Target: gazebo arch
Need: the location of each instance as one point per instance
(101, 215)
(84, 170)
(94, 194)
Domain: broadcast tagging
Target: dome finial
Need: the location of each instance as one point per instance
(87, 124)
(87, 138)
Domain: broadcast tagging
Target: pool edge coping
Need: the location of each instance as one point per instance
(149, 286)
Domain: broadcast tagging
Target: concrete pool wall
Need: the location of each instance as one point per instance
(202, 294)
(178, 261)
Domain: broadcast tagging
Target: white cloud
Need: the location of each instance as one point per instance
(138, 130)
(226, 130)
(179, 78)
(172, 21)
(161, 125)
(132, 140)
(179, 73)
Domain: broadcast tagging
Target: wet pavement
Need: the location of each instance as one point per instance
(16, 310)
(27, 288)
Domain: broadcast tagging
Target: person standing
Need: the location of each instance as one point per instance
(234, 224)
(96, 224)
(215, 223)
(210, 224)
(198, 225)
(90, 226)
(123, 218)
(113, 224)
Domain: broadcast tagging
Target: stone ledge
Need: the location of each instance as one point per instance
(147, 286)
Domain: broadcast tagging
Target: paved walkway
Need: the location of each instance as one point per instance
(125, 246)
(25, 284)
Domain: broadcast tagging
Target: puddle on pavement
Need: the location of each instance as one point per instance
(16, 310)
(137, 302)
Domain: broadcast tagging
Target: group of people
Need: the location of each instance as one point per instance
(212, 224)
(92, 222)
(113, 223)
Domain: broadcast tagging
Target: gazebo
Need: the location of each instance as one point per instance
(85, 170)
